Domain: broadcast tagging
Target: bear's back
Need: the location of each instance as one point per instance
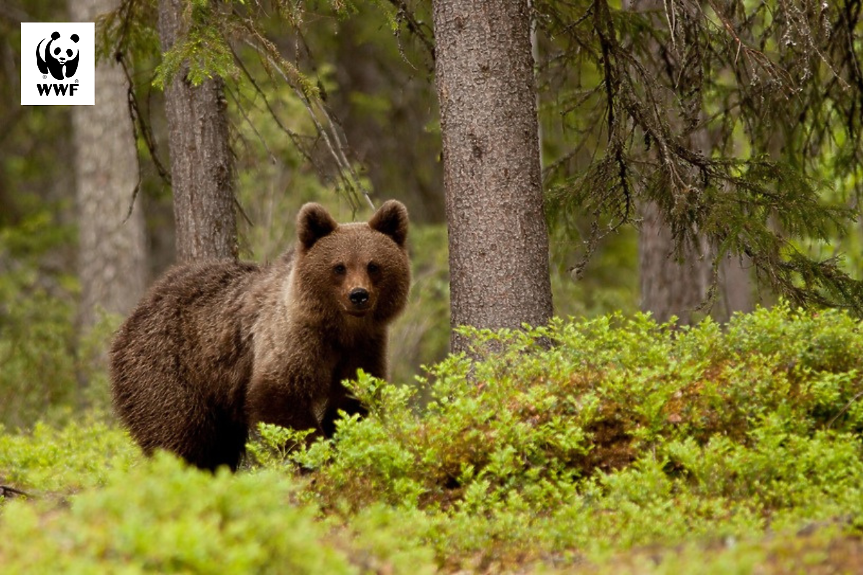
(185, 351)
(196, 313)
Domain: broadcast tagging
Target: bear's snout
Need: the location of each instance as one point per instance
(359, 297)
(359, 301)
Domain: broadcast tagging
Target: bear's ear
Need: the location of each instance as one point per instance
(313, 223)
(74, 38)
(391, 219)
(55, 35)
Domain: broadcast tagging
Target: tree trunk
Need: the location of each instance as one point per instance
(735, 287)
(112, 243)
(202, 167)
(670, 287)
(498, 240)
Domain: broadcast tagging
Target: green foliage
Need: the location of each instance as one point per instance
(275, 444)
(64, 460)
(165, 517)
(691, 108)
(37, 337)
(621, 433)
(94, 506)
(582, 446)
(128, 32)
(205, 52)
(48, 368)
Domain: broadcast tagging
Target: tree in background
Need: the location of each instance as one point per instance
(202, 165)
(669, 285)
(498, 241)
(777, 88)
(384, 96)
(112, 244)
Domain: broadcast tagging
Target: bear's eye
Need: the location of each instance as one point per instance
(373, 268)
(340, 269)
(69, 52)
(56, 51)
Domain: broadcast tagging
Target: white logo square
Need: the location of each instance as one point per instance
(58, 63)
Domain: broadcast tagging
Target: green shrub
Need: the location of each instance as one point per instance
(64, 460)
(165, 517)
(621, 433)
(624, 446)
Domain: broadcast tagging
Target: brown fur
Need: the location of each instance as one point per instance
(214, 348)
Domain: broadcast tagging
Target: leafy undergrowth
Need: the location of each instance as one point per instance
(622, 447)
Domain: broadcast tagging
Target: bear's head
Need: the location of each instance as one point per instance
(360, 270)
(63, 49)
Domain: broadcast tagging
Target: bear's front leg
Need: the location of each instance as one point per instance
(371, 358)
(294, 400)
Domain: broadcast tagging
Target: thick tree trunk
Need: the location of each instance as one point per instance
(202, 167)
(112, 243)
(498, 240)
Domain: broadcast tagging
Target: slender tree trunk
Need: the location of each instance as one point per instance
(673, 288)
(498, 240)
(112, 242)
(202, 167)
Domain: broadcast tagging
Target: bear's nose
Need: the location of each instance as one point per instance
(359, 296)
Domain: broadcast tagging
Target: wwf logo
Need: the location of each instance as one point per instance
(63, 71)
(58, 56)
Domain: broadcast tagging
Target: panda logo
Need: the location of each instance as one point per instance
(57, 54)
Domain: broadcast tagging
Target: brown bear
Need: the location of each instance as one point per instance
(214, 348)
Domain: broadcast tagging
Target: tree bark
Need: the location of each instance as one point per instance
(668, 287)
(498, 240)
(112, 243)
(202, 166)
